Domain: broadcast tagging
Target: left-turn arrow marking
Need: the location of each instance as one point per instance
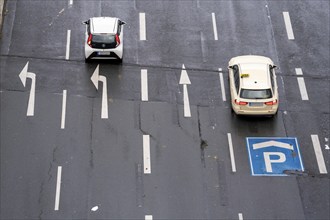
(95, 79)
(23, 75)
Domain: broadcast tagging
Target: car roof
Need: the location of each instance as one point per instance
(255, 76)
(103, 25)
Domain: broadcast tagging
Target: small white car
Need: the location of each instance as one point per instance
(253, 86)
(104, 38)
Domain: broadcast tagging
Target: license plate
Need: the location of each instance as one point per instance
(256, 104)
(103, 53)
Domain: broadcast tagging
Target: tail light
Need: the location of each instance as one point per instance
(117, 40)
(89, 41)
(240, 102)
(271, 102)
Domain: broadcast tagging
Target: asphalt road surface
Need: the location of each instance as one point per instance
(128, 149)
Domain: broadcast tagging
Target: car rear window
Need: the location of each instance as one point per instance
(104, 38)
(256, 94)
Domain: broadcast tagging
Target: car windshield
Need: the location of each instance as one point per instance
(104, 38)
(256, 94)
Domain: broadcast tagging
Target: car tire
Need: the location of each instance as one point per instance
(86, 60)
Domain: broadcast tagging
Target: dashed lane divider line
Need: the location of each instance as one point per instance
(240, 216)
(288, 25)
(58, 188)
(222, 85)
(146, 154)
(215, 31)
(142, 18)
(318, 154)
(68, 39)
(231, 152)
(301, 84)
(63, 109)
(148, 217)
(144, 85)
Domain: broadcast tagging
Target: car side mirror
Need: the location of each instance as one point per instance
(122, 23)
(274, 67)
(85, 22)
(230, 67)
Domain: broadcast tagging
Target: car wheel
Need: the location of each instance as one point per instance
(86, 60)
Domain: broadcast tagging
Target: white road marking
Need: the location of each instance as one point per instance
(95, 78)
(222, 85)
(318, 153)
(144, 85)
(186, 104)
(58, 187)
(70, 2)
(68, 37)
(23, 75)
(302, 88)
(288, 25)
(30, 110)
(146, 154)
(104, 113)
(240, 216)
(215, 31)
(143, 26)
(299, 71)
(63, 109)
(94, 209)
(148, 217)
(184, 80)
(231, 151)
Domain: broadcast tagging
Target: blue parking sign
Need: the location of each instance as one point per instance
(274, 155)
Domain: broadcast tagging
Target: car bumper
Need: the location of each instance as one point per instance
(113, 53)
(267, 111)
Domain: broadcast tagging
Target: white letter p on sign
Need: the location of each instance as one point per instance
(268, 162)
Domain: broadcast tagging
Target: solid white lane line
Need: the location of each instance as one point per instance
(222, 85)
(68, 37)
(146, 154)
(30, 110)
(240, 216)
(215, 31)
(148, 217)
(302, 88)
(58, 187)
(318, 153)
(70, 2)
(288, 25)
(143, 26)
(144, 85)
(63, 109)
(231, 151)
(186, 104)
(299, 71)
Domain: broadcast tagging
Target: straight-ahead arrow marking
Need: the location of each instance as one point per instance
(23, 75)
(95, 79)
(184, 80)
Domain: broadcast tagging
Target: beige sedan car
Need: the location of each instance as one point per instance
(253, 86)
